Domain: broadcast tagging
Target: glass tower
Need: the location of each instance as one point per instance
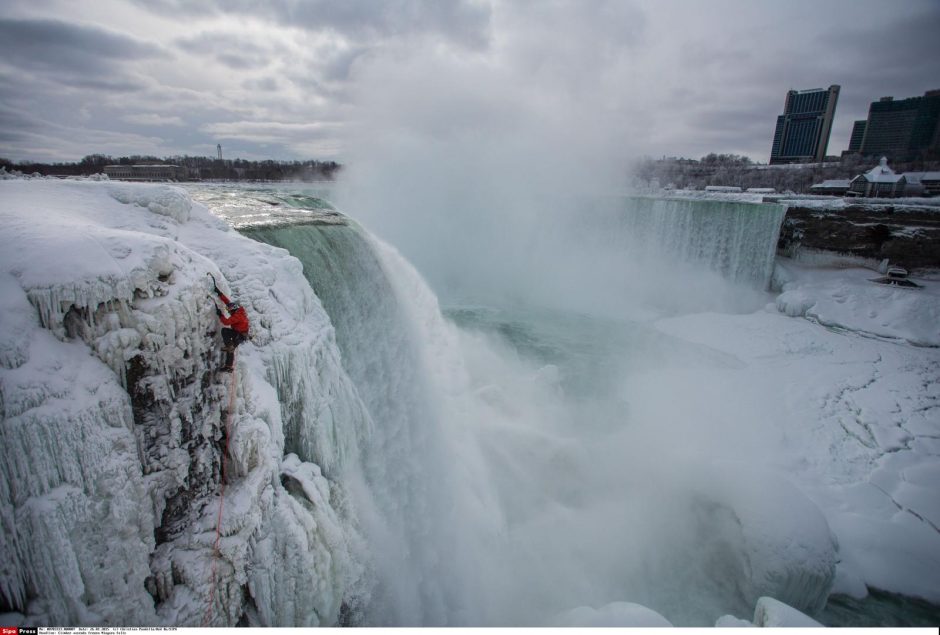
(802, 132)
(903, 129)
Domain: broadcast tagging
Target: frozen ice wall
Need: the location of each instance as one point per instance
(114, 421)
(405, 476)
(619, 253)
(734, 239)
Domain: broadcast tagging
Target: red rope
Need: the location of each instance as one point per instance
(218, 522)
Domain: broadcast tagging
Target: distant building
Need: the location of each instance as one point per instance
(158, 172)
(858, 133)
(901, 130)
(802, 132)
(727, 189)
(880, 181)
(832, 187)
(922, 184)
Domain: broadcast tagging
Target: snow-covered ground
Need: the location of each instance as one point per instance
(855, 421)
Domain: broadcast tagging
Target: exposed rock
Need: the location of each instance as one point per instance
(904, 234)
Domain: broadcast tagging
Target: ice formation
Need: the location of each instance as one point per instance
(770, 613)
(615, 614)
(735, 239)
(113, 417)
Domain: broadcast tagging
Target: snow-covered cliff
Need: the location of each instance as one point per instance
(114, 417)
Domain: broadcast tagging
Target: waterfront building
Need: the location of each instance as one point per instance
(831, 187)
(880, 181)
(159, 172)
(858, 134)
(922, 184)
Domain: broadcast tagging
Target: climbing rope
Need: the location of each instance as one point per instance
(218, 523)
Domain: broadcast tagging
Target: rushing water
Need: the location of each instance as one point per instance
(507, 480)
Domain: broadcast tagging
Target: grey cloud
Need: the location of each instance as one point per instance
(112, 84)
(267, 84)
(239, 62)
(15, 125)
(232, 50)
(339, 67)
(463, 21)
(52, 44)
(906, 44)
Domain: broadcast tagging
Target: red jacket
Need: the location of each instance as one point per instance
(237, 320)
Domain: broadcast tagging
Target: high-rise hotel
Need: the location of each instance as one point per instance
(802, 133)
(900, 129)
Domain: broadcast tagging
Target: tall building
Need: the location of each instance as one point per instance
(858, 133)
(802, 132)
(903, 129)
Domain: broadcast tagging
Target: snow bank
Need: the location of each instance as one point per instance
(770, 613)
(790, 550)
(165, 201)
(615, 614)
(848, 418)
(113, 419)
(848, 299)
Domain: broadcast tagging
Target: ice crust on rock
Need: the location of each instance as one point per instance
(56, 501)
(730, 621)
(771, 613)
(789, 548)
(615, 614)
(113, 419)
(170, 202)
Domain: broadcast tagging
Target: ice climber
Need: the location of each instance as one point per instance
(235, 327)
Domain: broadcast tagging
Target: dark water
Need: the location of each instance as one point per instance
(880, 608)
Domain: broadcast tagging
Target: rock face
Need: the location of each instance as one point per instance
(906, 235)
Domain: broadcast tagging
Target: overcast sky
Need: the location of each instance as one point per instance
(297, 79)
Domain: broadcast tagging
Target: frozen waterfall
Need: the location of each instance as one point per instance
(388, 467)
(474, 491)
(734, 239)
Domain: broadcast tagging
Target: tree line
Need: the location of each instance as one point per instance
(192, 168)
(740, 171)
